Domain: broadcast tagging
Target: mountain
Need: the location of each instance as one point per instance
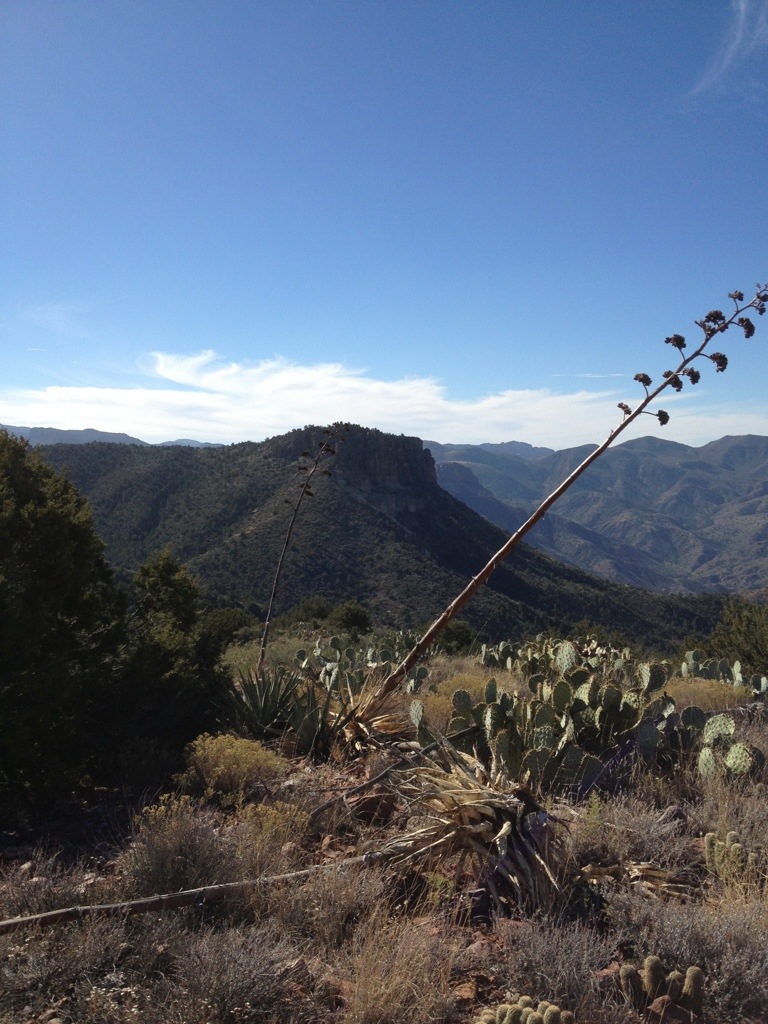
(519, 448)
(379, 529)
(648, 512)
(52, 435)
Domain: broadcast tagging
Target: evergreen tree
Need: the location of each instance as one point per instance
(172, 675)
(60, 628)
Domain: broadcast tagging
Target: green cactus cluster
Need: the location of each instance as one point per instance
(719, 669)
(586, 701)
(721, 753)
(534, 739)
(641, 986)
(525, 1011)
(546, 657)
(731, 861)
(336, 666)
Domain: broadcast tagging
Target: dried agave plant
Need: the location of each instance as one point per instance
(374, 717)
(512, 845)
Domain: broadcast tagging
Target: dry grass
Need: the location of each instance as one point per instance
(625, 828)
(707, 694)
(725, 936)
(342, 946)
(397, 972)
(558, 961)
(178, 846)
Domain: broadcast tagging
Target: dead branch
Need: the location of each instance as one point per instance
(174, 900)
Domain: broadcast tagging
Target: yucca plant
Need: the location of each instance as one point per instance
(347, 717)
(261, 704)
(312, 717)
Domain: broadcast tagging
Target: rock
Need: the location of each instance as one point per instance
(665, 1011)
(466, 992)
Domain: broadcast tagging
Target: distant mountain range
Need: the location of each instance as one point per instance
(649, 512)
(379, 529)
(52, 435)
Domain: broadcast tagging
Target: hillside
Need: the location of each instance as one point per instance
(649, 512)
(380, 529)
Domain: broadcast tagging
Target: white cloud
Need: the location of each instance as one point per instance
(747, 33)
(205, 399)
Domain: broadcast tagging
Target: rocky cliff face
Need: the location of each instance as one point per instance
(391, 473)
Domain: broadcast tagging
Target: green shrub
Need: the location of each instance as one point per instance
(230, 770)
(743, 634)
(61, 624)
(352, 617)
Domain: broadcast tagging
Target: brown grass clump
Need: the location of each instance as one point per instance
(46, 882)
(240, 975)
(707, 694)
(625, 828)
(556, 960)
(726, 937)
(327, 908)
(397, 972)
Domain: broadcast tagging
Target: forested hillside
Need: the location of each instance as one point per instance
(649, 512)
(379, 529)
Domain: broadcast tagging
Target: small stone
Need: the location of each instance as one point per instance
(668, 1012)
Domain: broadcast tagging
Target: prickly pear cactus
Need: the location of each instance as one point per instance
(722, 754)
(743, 759)
(423, 735)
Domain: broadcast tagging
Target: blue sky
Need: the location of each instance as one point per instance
(470, 221)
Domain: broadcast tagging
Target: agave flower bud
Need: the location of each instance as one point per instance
(719, 360)
(677, 340)
(747, 325)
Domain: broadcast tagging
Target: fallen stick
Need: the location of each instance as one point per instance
(174, 900)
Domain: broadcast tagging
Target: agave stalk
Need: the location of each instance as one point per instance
(715, 322)
(326, 450)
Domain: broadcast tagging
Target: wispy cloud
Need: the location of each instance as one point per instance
(746, 35)
(204, 398)
(59, 318)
